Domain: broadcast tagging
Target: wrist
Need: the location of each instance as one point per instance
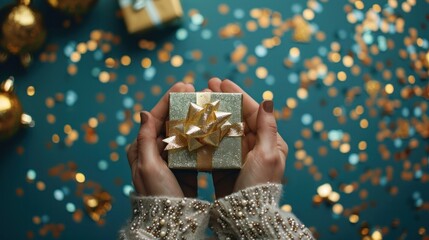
(167, 217)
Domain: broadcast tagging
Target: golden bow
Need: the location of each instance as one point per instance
(203, 126)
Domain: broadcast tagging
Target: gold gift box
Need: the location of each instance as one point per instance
(142, 15)
(228, 155)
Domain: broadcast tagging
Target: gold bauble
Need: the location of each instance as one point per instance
(72, 7)
(11, 114)
(22, 29)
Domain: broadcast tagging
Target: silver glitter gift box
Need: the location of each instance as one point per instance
(228, 153)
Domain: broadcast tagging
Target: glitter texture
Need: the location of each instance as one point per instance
(228, 154)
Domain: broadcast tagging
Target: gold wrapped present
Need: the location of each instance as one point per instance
(205, 131)
(142, 15)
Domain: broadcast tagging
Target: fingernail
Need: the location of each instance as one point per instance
(143, 118)
(268, 106)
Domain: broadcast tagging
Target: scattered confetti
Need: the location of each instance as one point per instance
(351, 97)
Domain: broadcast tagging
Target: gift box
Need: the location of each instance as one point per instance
(205, 131)
(142, 15)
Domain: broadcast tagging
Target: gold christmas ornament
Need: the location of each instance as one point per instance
(22, 31)
(72, 7)
(11, 114)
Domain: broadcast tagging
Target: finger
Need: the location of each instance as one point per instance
(266, 132)
(282, 145)
(189, 87)
(250, 140)
(250, 106)
(157, 178)
(160, 111)
(138, 184)
(132, 156)
(160, 144)
(224, 181)
(188, 182)
(147, 139)
(207, 90)
(214, 84)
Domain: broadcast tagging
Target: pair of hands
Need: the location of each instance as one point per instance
(264, 150)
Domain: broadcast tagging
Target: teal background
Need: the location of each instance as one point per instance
(378, 210)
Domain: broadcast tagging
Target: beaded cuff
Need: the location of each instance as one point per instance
(253, 213)
(167, 218)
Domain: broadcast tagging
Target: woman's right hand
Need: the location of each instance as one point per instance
(264, 150)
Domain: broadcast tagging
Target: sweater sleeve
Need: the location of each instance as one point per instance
(254, 213)
(166, 218)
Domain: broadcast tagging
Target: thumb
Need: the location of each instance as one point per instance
(266, 129)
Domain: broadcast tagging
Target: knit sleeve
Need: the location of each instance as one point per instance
(166, 218)
(254, 213)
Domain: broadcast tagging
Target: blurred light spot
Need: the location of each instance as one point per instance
(125, 60)
(362, 145)
(344, 148)
(128, 102)
(239, 13)
(181, 34)
(293, 78)
(324, 190)
(342, 76)
(70, 207)
(31, 174)
(103, 165)
(261, 72)
(31, 91)
(197, 19)
(389, 88)
(58, 195)
(80, 178)
(354, 218)
(334, 197)
(121, 140)
(270, 80)
(267, 95)
(127, 189)
(206, 34)
(71, 98)
(337, 208)
(55, 138)
(149, 73)
(287, 208)
(93, 122)
(306, 119)
(353, 159)
(176, 61)
(260, 51)
(302, 93)
(308, 14)
(291, 103)
(364, 123)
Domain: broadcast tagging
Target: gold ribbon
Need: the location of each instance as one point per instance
(202, 130)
